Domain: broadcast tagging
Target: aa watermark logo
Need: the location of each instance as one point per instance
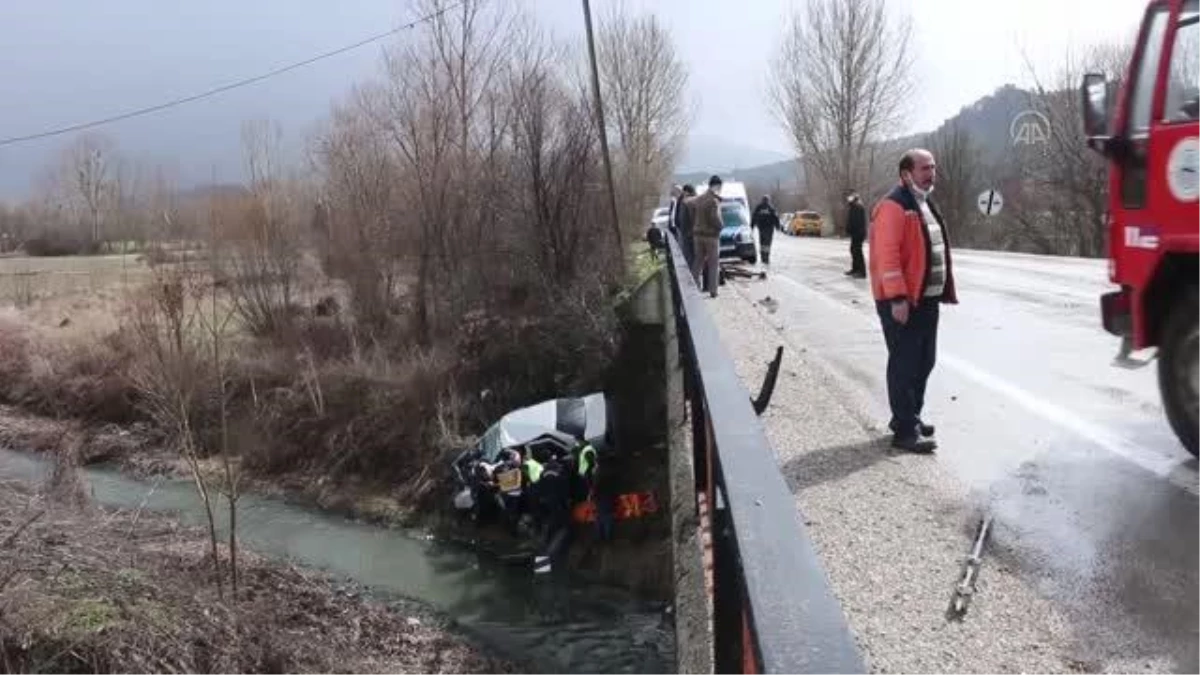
(1029, 127)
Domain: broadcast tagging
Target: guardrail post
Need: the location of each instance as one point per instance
(730, 627)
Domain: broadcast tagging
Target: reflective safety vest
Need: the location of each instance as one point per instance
(534, 469)
(587, 459)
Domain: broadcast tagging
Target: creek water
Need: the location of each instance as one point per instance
(554, 623)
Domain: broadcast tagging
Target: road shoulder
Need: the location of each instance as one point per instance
(892, 530)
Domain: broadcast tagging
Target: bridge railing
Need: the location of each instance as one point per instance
(773, 609)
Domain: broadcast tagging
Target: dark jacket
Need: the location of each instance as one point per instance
(900, 249)
(856, 220)
(683, 217)
(765, 218)
(706, 216)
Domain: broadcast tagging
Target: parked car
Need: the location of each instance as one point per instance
(785, 220)
(487, 475)
(807, 224)
(737, 240)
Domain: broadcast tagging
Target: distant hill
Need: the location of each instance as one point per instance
(787, 174)
(712, 154)
(986, 121)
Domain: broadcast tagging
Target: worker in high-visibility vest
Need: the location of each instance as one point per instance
(587, 476)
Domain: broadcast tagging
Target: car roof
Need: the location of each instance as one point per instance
(586, 415)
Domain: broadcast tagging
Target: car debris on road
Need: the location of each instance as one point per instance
(965, 589)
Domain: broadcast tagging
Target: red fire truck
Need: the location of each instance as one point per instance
(1153, 154)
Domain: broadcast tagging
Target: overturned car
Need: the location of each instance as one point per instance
(487, 476)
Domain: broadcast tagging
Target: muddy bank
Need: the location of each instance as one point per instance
(140, 451)
(115, 590)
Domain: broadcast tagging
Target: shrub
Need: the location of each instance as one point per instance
(76, 380)
(376, 418)
(49, 244)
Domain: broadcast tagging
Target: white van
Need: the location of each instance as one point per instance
(736, 191)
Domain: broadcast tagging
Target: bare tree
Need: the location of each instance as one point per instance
(643, 82)
(441, 110)
(215, 323)
(265, 246)
(90, 177)
(840, 81)
(366, 239)
(170, 376)
(555, 145)
(1062, 185)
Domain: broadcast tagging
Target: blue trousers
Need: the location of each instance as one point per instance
(912, 352)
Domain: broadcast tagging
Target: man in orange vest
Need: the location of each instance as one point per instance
(911, 276)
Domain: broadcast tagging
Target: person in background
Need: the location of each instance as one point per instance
(911, 276)
(683, 222)
(856, 228)
(672, 208)
(706, 225)
(766, 221)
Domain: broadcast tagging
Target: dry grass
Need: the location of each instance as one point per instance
(131, 592)
(27, 280)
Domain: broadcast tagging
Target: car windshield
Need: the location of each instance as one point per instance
(810, 215)
(733, 214)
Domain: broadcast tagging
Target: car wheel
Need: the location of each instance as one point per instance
(1178, 369)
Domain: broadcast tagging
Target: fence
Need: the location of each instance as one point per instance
(773, 610)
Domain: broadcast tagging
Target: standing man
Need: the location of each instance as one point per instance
(766, 221)
(683, 222)
(706, 225)
(911, 276)
(856, 227)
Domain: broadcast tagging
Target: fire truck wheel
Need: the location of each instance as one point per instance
(1179, 368)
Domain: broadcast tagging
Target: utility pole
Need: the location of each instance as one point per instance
(612, 191)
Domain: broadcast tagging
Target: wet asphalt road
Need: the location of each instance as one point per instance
(1095, 500)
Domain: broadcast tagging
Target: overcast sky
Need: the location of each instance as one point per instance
(69, 61)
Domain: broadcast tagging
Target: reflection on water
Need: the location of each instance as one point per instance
(559, 624)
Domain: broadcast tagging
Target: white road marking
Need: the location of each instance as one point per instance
(1161, 466)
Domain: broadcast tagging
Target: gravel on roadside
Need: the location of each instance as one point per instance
(892, 529)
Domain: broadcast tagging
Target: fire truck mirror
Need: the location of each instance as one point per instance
(1095, 105)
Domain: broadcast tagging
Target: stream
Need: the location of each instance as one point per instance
(557, 624)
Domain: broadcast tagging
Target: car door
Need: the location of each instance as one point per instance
(1174, 149)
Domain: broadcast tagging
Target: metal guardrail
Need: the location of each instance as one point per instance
(773, 610)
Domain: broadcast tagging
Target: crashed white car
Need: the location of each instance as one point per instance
(661, 216)
(556, 425)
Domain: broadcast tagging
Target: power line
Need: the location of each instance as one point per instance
(12, 140)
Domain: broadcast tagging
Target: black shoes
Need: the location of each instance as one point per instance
(856, 275)
(920, 441)
(922, 428)
(914, 444)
